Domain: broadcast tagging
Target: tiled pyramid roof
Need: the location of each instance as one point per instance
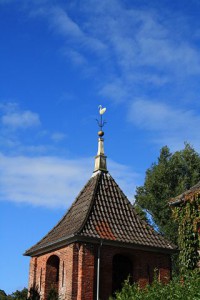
(102, 212)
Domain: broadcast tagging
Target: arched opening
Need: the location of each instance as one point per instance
(122, 269)
(52, 274)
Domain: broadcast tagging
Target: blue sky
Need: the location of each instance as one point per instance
(58, 61)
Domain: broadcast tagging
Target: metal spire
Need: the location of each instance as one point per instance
(100, 159)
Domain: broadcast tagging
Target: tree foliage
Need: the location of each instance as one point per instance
(21, 295)
(3, 295)
(17, 295)
(171, 175)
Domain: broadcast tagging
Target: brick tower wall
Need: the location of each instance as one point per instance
(78, 269)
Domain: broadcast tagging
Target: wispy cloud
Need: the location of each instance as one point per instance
(115, 91)
(132, 46)
(61, 23)
(21, 120)
(166, 123)
(58, 136)
(15, 118)
(22, 132)
(75, 57)
(51, 181)
(133, 52)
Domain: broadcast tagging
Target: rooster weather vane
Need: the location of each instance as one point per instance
(100, 122)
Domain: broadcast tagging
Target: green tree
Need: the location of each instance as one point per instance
(3, 295)
(20, 295)
(17, 295)
(171, 175)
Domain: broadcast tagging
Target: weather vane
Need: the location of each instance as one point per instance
(100, 122)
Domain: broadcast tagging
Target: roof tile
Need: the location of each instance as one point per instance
(102, 211)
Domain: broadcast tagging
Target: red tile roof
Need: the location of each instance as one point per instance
(102, 212)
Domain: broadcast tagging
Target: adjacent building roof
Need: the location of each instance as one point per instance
(194, 190)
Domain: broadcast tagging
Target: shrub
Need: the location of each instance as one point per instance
(181, 287)
(53, 295)
(34, 293)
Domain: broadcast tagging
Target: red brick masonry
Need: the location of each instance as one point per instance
(77, 270)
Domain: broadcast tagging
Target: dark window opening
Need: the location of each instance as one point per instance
(153, 273)
(122, 270)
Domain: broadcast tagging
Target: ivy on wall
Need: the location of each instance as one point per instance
(187, 215)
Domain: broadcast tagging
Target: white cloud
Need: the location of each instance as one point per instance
(17, 134)
(8, 107)
(51, 181)
(46, 181)
(114, 91)
(167, 124)
(64, 24)
(58, 136)
(15, 118)
(154, 115)
(61, 23)
(23, 119)
(75, 57)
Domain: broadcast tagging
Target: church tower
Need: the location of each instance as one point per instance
(98, 243)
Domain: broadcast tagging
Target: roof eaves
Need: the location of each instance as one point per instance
(176, 201)
(50, 246)
(171, 249)
(194, 190)
(80, 238)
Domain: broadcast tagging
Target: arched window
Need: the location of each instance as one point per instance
(52, 274)
(122, 269)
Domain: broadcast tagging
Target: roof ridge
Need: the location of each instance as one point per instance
(91, 203)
